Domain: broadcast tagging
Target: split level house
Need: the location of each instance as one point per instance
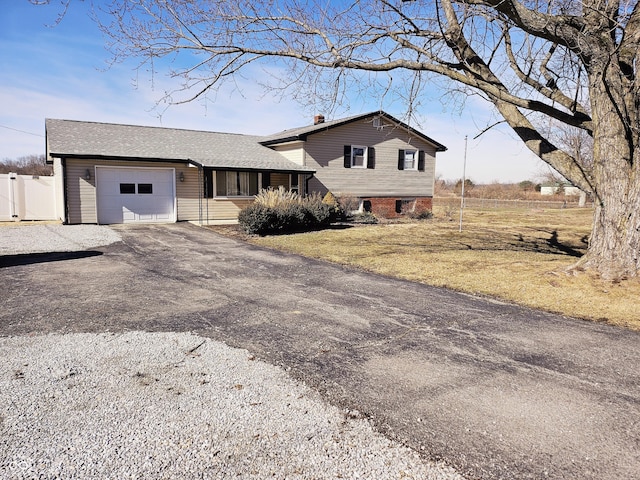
(110, 173)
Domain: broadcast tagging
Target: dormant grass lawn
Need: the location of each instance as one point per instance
(519, 256)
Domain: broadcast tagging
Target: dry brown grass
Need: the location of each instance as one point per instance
(514, 255)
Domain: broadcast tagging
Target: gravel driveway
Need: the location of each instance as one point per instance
(169, 405)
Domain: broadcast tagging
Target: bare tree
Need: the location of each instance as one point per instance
(537, 61)
(27, 165)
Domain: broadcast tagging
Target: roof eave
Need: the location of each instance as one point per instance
(278, 141)
(322, 127)
(120, 157)
(178, 160)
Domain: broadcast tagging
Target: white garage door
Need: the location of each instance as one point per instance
(128, 195)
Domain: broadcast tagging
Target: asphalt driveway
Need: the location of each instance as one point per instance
(495, 390)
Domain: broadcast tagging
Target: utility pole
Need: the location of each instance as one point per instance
(464, 172)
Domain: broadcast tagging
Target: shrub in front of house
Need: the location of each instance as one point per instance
(282, 211)
(422, 214)
(323, 212)
(348, 205)
(366, 218)
(259, 219)
(336, 210)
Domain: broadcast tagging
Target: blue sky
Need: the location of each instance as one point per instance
(63, 71)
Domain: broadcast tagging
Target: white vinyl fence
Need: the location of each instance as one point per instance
(26, 197)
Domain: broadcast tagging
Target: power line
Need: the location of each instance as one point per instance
(22, 131)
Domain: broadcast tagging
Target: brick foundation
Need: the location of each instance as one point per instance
(387, 207)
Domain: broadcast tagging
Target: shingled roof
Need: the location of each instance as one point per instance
(71, 138)
(302, 133)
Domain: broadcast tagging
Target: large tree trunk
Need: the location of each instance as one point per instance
(614, 247)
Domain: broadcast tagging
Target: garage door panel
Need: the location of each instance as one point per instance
(135, 195)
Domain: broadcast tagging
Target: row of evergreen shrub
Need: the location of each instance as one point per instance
(282, 211)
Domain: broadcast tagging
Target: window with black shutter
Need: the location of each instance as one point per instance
(421, 160)
(359, 156)
(407, 160)
(347, 156)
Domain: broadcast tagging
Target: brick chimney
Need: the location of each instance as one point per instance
(318, 119)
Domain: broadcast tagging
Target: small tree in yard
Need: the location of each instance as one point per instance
(539, 63)
(468, 186)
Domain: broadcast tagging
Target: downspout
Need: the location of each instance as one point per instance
(205, 189)
(13, 181)
(65, 196)
(308, 178)
(201, 190)
(200, 194)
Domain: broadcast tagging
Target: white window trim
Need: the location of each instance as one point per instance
(415, 160)
(365, 158)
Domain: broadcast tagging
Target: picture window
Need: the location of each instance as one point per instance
(236, 184)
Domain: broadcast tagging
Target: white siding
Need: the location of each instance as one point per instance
(58, 181)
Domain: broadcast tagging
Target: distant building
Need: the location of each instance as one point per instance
(560, 188)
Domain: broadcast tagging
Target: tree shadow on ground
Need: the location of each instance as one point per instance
(32, 258)
(566, 249)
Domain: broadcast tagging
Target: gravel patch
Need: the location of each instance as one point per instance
(39, 238)
(175, 405)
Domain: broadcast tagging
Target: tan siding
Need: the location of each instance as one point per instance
(81, 194)
(216, 210)
(188, 193)
(324, 152)
(279, 180)
(293, 152)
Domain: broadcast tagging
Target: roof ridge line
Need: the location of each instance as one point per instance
(93, 122)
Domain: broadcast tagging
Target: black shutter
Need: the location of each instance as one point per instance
(347, 156)
(421, 160)
(371, 157)
(266, 180)
(400, 159)
(208, 183)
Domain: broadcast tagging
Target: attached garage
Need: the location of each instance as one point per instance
(110, 173)
(135, 195)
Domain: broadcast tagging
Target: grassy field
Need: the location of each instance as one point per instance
(520, 256)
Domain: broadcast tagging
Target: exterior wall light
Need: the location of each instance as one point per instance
(181, 177)
(87, 174)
